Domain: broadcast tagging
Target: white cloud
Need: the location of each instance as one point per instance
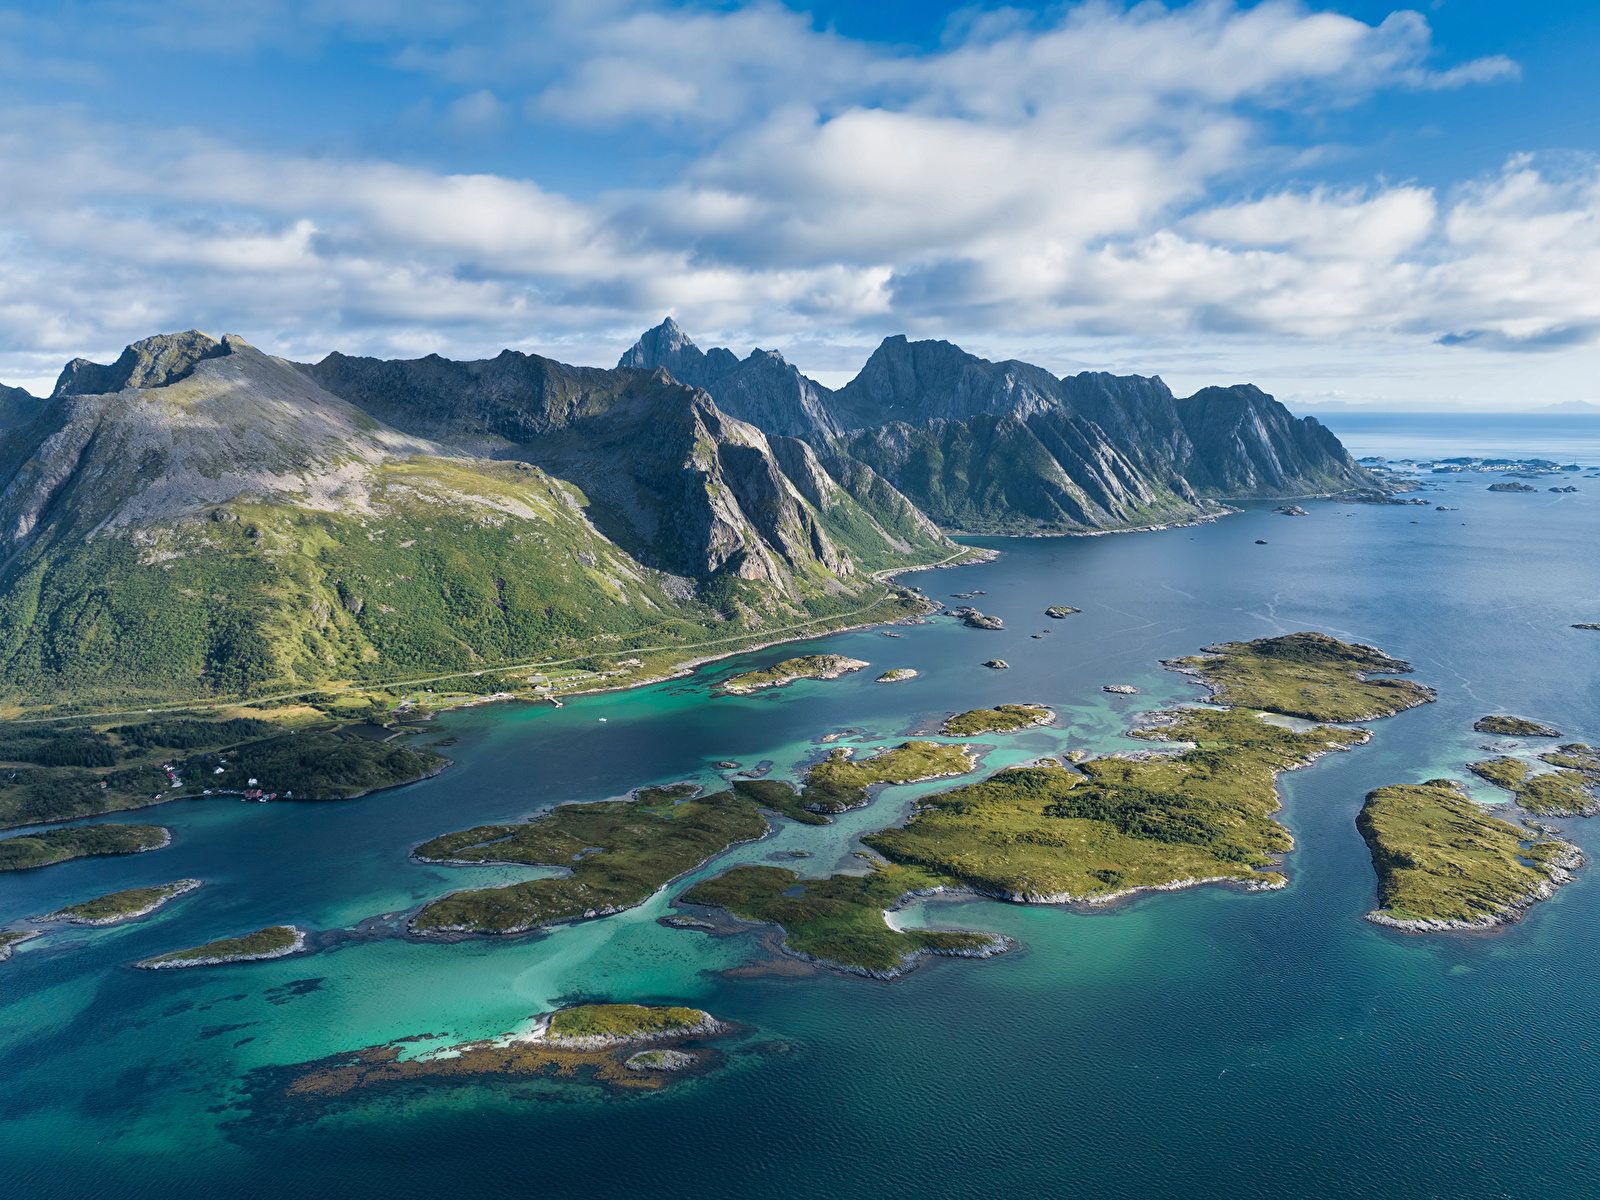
(1044, 178)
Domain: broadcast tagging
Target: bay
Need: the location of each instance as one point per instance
(1200, 1042)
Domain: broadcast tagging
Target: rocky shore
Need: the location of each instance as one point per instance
(171, 892)
(1560, 870)
(164, 963)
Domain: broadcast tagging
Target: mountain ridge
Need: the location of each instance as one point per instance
(1008, 447)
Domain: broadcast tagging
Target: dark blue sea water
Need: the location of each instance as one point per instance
(1187, 1044)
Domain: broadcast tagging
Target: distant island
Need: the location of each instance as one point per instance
(1003, 718)
(810, 666)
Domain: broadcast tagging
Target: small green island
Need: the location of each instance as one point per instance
(1562, 792)
(1002, 718)
(897, 675)
(1307, 675)
(1061, 610)
(81, 841)
(1513, 727)
(121, 906)
(1443, 863)
(809, 666)
(592, 1043)
(275, 941)
(1195, 807)
(10, 939)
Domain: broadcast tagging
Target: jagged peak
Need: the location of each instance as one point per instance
(657, 346)
(149, 363)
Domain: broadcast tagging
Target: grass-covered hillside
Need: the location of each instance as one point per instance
(235, 529)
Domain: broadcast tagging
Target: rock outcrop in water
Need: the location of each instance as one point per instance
(1009, 448)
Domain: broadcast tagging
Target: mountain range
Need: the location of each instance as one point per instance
(199, 518)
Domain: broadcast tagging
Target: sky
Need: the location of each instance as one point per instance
(1351, 205)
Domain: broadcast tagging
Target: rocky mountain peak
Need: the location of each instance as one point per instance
(151, 363)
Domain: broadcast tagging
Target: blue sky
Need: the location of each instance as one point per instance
(1352, 204)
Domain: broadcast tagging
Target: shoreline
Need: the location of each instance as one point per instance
(294, 947)
(1509, 913)
(182, 888)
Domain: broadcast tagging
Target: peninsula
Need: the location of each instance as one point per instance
(275, 941)
(1002, 718)
(809, 666)
(841, 782)
(1559, 793)
(1443, 863)
(121, 906)
(621, 1046)
(81, 841)
(10, 939)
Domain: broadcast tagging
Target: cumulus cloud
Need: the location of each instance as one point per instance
(1037, 175)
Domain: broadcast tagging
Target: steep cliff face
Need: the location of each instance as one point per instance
(223, 522)
(1005, 447)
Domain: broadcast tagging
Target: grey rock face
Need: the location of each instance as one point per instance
(763, 389)
(1008, 448)
(154, 362)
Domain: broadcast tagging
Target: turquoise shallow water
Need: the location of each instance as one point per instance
(1202, 1042)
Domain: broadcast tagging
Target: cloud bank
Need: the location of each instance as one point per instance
(1081, 175)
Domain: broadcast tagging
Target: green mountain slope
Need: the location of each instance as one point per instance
(223, 524)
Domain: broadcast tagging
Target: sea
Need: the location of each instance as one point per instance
(1205, 1042)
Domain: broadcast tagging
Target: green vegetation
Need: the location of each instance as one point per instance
(1551, 793)
(839, 920)
(896, 675)
(313, 763)
(1440, 858)
(271, 942)
(325, 765)
(1048, 833)
(619, 851)
(1003, 718)
(59, 845)
(1513, 727)
(839, 782)
(1061, 610)
(1575, 756)
(807, 666)
(623, 1021)
(1306, 675)
(780, 797)
(121, 906)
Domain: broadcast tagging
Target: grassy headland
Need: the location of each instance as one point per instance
(840, 782)
(1443, 863)
(1558, 793)
(83, 841)
(275, 941)
(839, 921)
(121, 906)
(10, 939)
(1307, 675)
(1003, 718)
